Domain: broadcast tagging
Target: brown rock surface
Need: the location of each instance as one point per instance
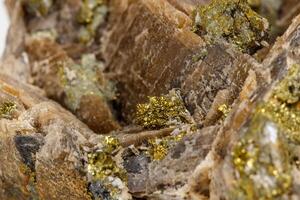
(222, 172)
(40, 147)
(14, 51)
(159, 52)
(152, 28)
(148, 49)
(52, 70)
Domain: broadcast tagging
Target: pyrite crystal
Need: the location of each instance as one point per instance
(162, 111)
(233, 20)
(265, 149)
(151, 99)
(104, 169)
(261, 161)
(6, 108)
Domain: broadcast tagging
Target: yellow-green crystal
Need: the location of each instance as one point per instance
(254, 3)
(224, 109)
(266, 149)
(286, 117)
(232, 20)
(270, 9)
(91, 15)
(38, 7)
(83, 79)
(283, 106)
(158, 148)
(261, 161)
(161, 112)
(288, 91)
(102, 166)
(6, 108)
(86, 14)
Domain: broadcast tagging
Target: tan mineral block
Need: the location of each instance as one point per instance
(151, 49)
(40, 146)
(54, 71)
(148, 47)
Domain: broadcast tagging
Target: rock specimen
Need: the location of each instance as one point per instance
(232, 20)
(162, 111)
(201, 70)
(80, 87)
(171, 99)
(265, 147)
(42, 146)
(35, 133)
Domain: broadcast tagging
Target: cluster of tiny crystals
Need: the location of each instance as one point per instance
(38, 8)
(161, 112)
(6, 108)
(103, 167)
(233, 20)
(159, 147)
(264, 152)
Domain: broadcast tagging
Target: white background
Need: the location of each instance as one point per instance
(4, 23)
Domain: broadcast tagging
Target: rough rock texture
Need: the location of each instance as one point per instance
(239, 135)
(187, 6)
(14, 52)
(35, 58)
(174, 171)
(159, 52)
(222, 172)
(62, 18)
(81, 88)
(40, 147)
(145, 177)
(137, 53)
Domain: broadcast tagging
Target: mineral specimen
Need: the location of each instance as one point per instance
(105, 170)
(162, 111)
(79, 86)
(172, 99)
(140, 74)
(38, 7)
(262, 162)
(36, 163)
(263, 159)
(232, 20)
(92, 14)
(264, 149)
(6, 108)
